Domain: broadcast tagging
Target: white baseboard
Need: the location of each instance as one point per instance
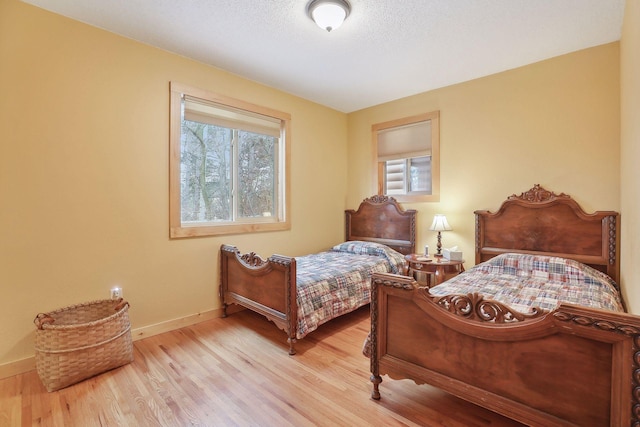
(25, 365)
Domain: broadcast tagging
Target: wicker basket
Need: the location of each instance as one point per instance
(80, 341)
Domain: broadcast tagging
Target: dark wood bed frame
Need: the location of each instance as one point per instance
(268, 286)
(573, 366)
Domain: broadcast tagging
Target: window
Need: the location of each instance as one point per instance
(227, 166)
(407, 158)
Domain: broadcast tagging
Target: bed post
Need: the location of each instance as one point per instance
(222, 284)
(372, 343)
(292, 305)
(381, 285)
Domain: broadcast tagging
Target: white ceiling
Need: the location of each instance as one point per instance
(385, 50)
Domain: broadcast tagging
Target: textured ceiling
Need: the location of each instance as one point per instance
(387, 49)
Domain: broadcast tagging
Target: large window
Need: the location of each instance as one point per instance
(227, 166)
(407, 158)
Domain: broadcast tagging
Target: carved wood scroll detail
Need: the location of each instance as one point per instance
(379, 198)
(372, 340)
(280, 260)
(538, 194)
(611, 221)
(477, 232)
(635, 404)
(252, 259)
(475, 307)
(598, 324)
(394, 284)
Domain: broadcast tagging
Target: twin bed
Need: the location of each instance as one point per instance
(299, 294)
(529, 343)
(520, 333)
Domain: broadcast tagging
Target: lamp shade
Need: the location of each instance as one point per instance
(440, 223)
(328, 14)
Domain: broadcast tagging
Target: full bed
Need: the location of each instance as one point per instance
(299, 294)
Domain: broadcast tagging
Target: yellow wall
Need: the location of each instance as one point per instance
(553, 123)
(84, 176)
(630, 152)
(84, 164)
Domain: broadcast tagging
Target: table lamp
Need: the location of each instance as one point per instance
(440, 224)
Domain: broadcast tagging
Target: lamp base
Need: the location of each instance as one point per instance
(437, 255)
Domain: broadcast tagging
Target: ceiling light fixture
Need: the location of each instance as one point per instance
(328, 14)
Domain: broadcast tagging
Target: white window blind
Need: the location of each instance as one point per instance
(402, 142)
(406, 153)
(225, 116)
(395, 176)
(407, 156)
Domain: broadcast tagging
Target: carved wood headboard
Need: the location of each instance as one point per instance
(539, 221)
(380, 219)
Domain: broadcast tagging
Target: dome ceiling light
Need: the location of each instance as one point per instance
(328, 14)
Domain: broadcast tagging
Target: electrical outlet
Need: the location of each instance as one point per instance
(116, 293)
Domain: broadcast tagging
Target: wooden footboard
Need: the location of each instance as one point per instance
(573, 366)
(266, 286)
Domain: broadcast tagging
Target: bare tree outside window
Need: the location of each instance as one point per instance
(205, 178)
(228, 165)
(257, 175)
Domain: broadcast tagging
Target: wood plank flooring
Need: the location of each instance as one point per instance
(236, 372)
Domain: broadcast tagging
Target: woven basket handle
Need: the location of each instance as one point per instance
(121, 304)
(43, 319)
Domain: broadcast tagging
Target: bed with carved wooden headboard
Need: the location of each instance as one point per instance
(300, 293)
(548, 362)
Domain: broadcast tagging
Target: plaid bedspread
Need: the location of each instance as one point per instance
(336, 282)
(525, 281)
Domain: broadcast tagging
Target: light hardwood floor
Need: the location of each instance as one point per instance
(236, 372)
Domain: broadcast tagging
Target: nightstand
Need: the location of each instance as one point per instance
(437, 268)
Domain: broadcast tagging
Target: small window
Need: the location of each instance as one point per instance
(407, 158)
(227, 166)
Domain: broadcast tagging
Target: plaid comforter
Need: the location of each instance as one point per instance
(524, 281)
(336, 282)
